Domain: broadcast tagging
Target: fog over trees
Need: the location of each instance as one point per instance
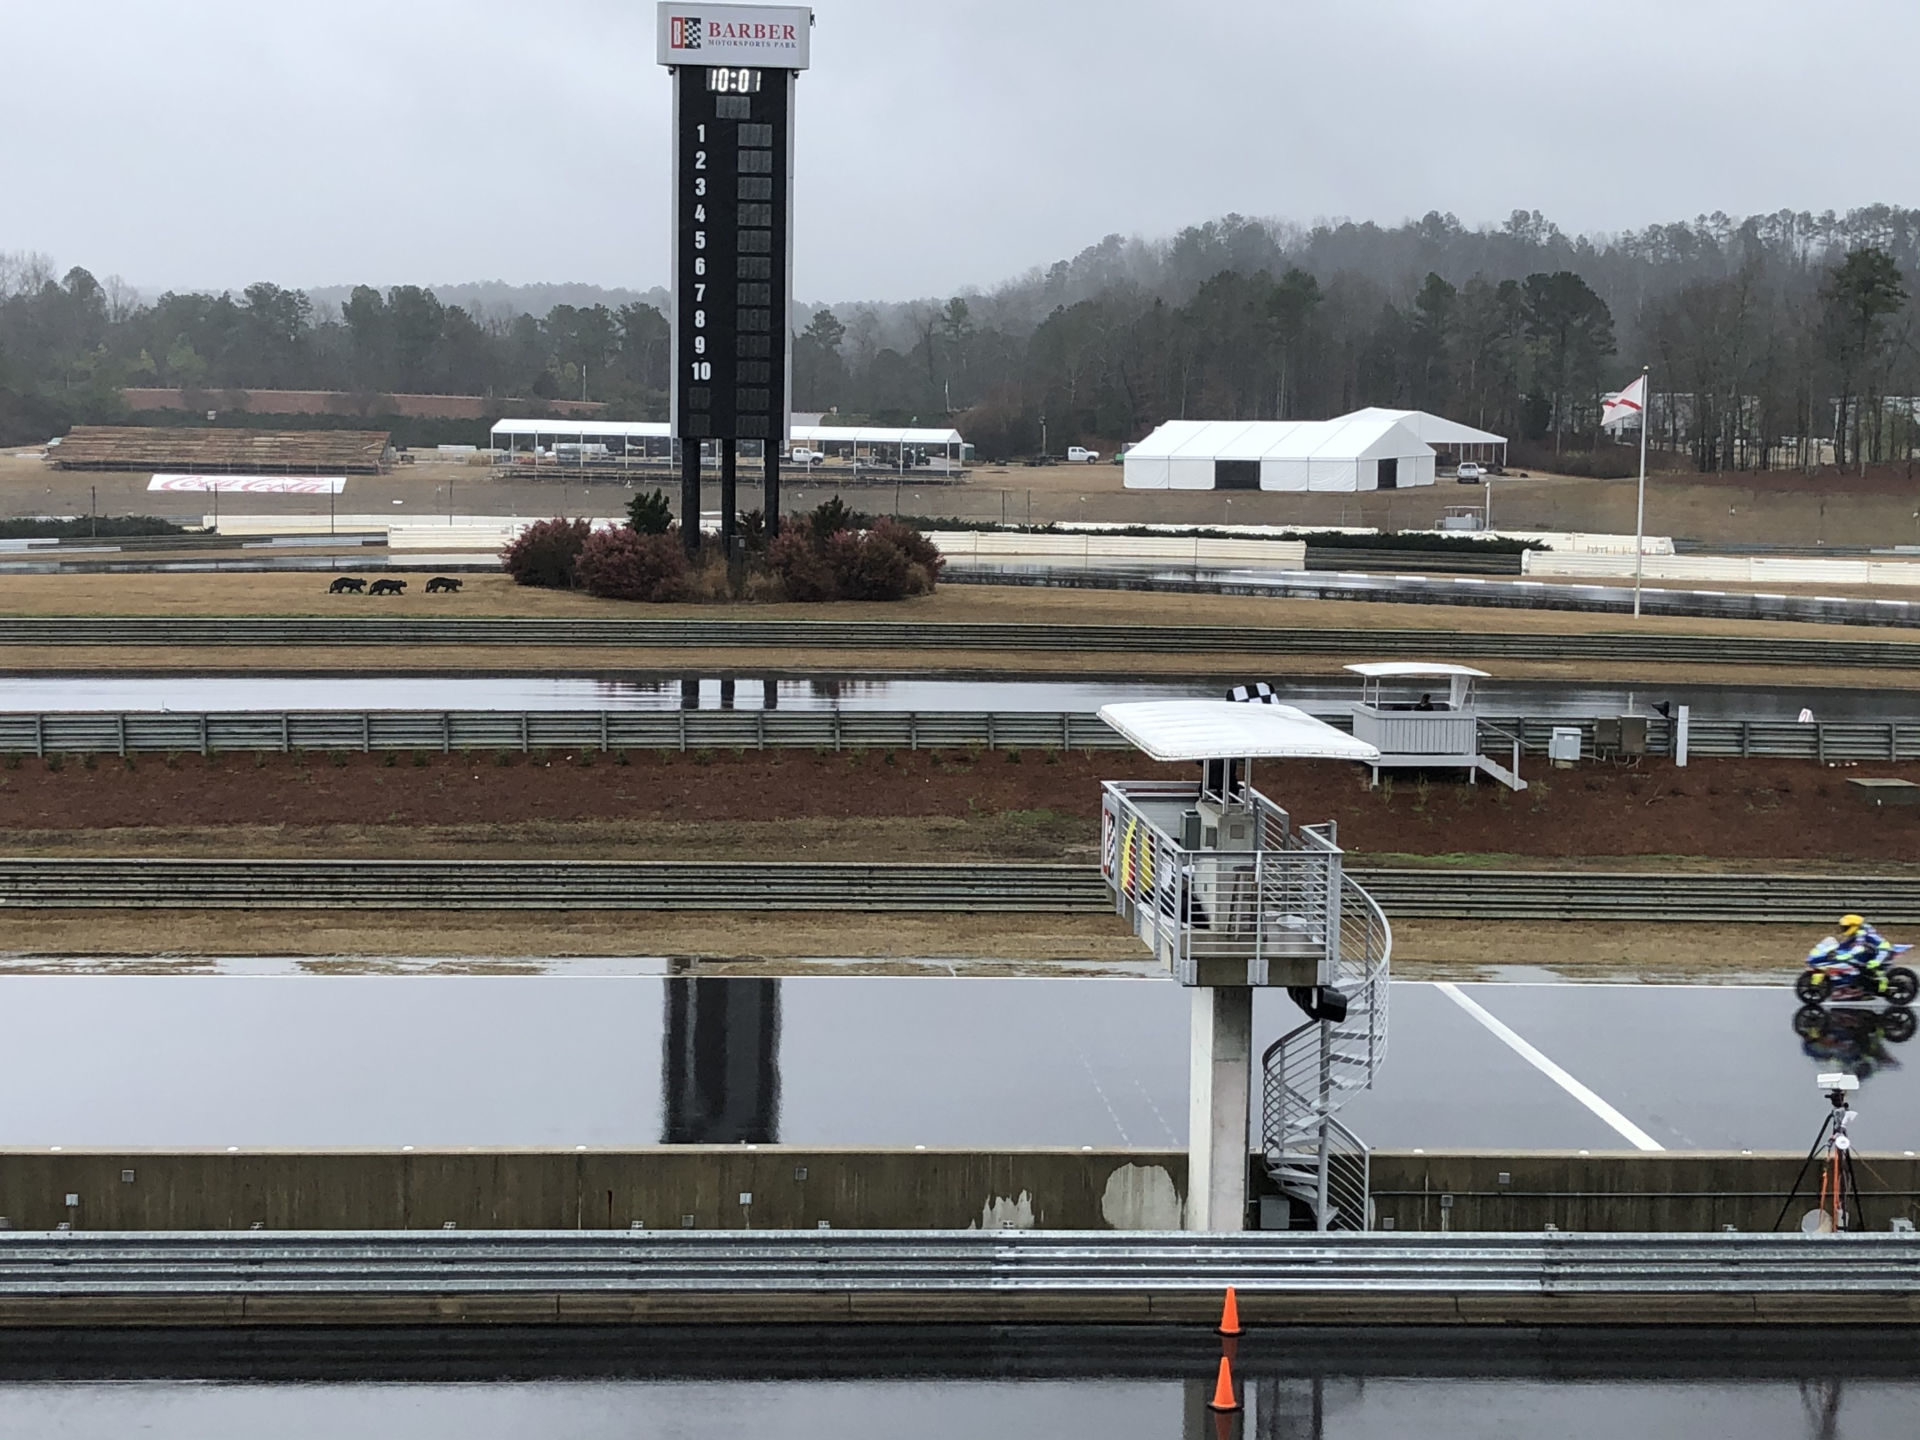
(1768, 332)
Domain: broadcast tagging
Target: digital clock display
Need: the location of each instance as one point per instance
(734, 82)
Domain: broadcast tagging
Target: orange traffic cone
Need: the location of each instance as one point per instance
(1229, 1316)
(1223, 1401)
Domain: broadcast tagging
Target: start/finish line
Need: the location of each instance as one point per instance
(252, 484)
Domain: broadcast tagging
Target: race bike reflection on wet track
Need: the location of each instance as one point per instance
(1854, 1039)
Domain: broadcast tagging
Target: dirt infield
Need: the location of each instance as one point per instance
(911, 805)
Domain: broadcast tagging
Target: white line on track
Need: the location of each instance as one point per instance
(1633, 1134)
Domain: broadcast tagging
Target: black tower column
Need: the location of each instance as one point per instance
(690, 495)
(720, 1063)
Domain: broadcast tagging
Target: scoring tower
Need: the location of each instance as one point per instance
(734, 68)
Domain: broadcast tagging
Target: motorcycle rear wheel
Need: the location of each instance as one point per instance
(1897, 1025)
(1902, 985)
(1811, 986)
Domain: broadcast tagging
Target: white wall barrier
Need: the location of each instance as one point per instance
(1735, 569)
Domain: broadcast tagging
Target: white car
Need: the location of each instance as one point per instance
(1469, 474)
(1080, 455)
(806, 457)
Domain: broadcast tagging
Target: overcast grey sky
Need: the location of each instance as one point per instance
(941, 143)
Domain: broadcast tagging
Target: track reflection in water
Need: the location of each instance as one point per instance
(879, 1061)
(652, 691)
(1323, 1399)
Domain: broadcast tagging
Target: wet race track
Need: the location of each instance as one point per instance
(893, 1061)
(651, 691)
(957, 1382)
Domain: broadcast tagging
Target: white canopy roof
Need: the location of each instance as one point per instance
(658, 430)
(873, 435)
(584, 429)
(1434, 429)
(1412, 669)
(1350, 438)
(1228, 730)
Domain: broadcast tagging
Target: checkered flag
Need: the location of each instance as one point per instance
(689, 27)
(1258, 693)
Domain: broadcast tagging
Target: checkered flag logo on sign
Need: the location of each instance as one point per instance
(686, 32)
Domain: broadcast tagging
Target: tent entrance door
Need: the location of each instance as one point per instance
(1236, 474)
(1390, 474)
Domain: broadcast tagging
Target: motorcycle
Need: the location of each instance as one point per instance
(1831, 978)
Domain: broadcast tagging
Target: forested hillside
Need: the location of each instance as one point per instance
(1769, 329)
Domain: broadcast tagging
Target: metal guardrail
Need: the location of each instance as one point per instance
(328, 631)
(1639, 896)
(390, 1264)
(146, 732)
(184, 732)
(1412, 562)
(549, 885)
(1403, 894)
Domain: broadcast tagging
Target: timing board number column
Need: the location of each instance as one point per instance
(733, 69)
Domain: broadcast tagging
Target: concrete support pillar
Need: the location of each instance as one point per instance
(1219, 1094)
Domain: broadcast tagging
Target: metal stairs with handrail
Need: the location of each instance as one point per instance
(1308, 1073)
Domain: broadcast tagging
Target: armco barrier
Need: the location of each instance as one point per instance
(181, 732)
(85, 732)
(357, 631)
(581, 1277)
(1405, 894)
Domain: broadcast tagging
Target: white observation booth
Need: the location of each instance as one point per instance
(1420, 714)
(1230, 894)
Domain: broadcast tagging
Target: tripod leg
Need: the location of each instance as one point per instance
(1850, 1177)
(1805, 1166)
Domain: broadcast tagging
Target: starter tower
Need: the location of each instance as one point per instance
(1232, 896)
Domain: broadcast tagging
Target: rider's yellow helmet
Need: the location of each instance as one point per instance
(1850, 924)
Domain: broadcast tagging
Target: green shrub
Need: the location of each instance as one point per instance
(650, 514)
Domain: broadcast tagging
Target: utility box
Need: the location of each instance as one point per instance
(1878, 792)
(1606, 736)
(1563, 746)
(1633, 734)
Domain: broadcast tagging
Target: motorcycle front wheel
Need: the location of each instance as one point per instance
(1902, 985)
(1809, 1021)
(1811, 987)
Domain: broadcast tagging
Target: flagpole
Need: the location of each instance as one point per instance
(1640, 509)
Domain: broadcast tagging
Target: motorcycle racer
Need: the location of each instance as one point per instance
(1865, 948)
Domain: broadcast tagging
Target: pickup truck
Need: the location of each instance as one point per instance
(1469, 473)
(800, 456)
(1080, 455)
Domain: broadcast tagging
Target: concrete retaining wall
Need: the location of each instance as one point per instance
(1627, 1190)
(783, 1188)
(791, 1188)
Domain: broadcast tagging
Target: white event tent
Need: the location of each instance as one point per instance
(1352, 453)
(1447, 437)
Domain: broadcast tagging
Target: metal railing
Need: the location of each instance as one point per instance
(1307, 1074)
(1275, 901)
(394, 629)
